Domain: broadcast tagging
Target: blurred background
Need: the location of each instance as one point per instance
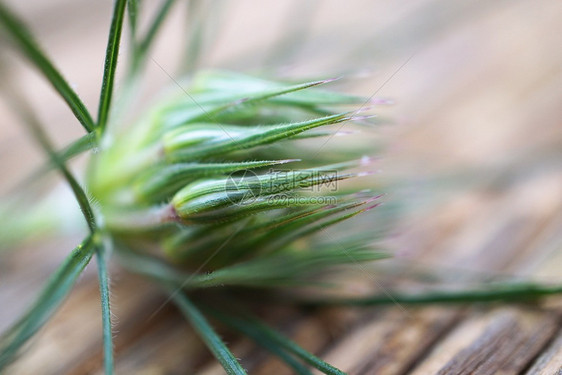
(471, 149)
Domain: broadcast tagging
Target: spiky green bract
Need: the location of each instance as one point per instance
(47, 303)
(290, 267)
(161, 181)
(201, 141)
(208, 335)
(230, 84)
(27, 45)
(238, 194)
(272, 232)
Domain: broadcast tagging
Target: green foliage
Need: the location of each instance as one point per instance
(111, 56)
(261, 333)
(191, 196)
(103, 277)
(495, 292)
(56, 289)
(24, 42)
(208, 335)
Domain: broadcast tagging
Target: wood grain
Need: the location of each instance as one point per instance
(475, 156)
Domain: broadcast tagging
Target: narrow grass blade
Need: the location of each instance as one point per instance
(150, 266)
(132, 12)
(155, 26)
(23, 39)
(111, 55)
(141, 47)
(259, 331)
(82, 144)
(208, 335)
(77, 147)
(197, 26)
(49, 299)
(103, 277)
(510, 292)
(26, 113)
(261, 339)
(79, 193)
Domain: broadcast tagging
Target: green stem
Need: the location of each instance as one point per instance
(21, 35)
(155, 26)
(54, 293)
(208, 335)
(260, 331)
(103, 277)
(140, 49)
(121, 220)
(32, 122)
(505, 292)
(256, 334)
(111, 55)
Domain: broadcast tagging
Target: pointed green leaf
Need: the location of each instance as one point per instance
(256, 333)
(111, 55)
(262, 333)
(155, 26)
(29, 119)
(23, 39)
(49, 299)
(506, 292)
(103, 277)
(82, 144)
(208, 335)
(132, 11)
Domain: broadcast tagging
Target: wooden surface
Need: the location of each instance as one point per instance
(479, 102)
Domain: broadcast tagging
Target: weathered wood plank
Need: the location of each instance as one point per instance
(550, 360)
(503, 341)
